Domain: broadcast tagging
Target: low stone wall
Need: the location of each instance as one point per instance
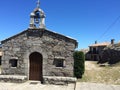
(13, 78)
(58, 80)
(46, 79)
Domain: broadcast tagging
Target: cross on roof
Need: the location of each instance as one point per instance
(38, 4)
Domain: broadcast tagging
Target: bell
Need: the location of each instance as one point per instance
(36, 20)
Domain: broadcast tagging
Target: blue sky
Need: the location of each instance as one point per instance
(84, 20)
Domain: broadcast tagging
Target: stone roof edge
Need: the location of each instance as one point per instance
(13, 36)
(67, 37)
(75, 41)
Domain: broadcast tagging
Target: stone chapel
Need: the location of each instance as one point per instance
(38, 54)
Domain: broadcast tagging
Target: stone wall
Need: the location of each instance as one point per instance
(110, 54)
(59, 80)
(47, 43)
(13, 78)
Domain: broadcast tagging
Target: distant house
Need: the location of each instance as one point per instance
(85, 51)
(95, 50)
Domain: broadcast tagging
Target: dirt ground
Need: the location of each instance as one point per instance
(37, 86)
(106, 74)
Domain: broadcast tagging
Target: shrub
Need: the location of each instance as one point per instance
(79, 64)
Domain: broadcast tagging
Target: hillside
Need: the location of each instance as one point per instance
(101, 73)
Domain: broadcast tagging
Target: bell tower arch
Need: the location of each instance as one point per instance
(37, 17)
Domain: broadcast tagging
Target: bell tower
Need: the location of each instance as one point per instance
(37, 17)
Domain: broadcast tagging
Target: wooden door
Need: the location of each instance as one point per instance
(35, 72)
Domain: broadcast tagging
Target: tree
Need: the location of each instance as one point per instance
(79, 64)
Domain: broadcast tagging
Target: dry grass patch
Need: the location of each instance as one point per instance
(105, 74)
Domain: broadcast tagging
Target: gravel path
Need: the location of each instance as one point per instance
(30, 85)
(37, 86)
(94, 86)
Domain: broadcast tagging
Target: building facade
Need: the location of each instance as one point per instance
(38, 54)
(95, 50)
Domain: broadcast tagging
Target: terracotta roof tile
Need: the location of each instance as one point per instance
(100, 44)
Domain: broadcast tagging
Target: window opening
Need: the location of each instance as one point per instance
(13, 62)
(59, 62)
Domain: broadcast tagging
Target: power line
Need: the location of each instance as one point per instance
(108, 29)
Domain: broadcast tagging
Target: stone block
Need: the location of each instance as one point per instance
(13, 78)
(58, 80)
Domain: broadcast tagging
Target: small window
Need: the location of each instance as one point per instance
(13, 62)
(59, 62)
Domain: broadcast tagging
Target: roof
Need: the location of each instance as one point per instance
(44, 31)
(100, 44)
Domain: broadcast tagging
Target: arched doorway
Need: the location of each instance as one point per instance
(35, 70)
